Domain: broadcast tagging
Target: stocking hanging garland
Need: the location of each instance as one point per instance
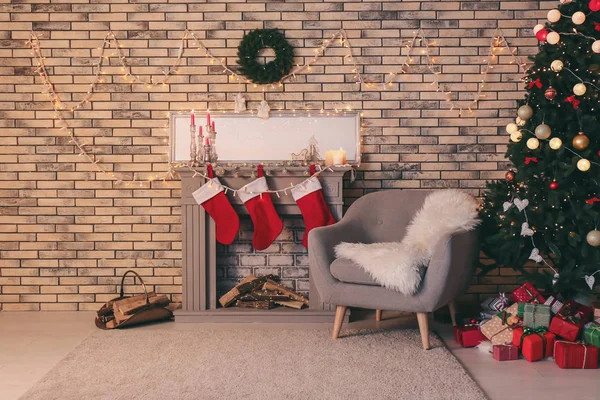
(267, 224)
(211, 197)
(312, 204)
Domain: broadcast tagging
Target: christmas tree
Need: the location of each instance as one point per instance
(542, 219)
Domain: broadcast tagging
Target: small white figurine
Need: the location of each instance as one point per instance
(240, 103)
(263, 110)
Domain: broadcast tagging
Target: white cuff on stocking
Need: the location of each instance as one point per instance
(207, 191)
(253, 189)
(310, 186)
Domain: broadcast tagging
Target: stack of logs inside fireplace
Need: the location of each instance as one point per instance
(262, 292)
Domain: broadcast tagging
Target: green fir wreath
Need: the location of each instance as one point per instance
(272, 71)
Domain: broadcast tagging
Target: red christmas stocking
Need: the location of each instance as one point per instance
(267, 224)
(313, 207)
(217, 205)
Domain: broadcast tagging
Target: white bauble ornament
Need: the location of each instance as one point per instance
(579, 89)
(533, 143)
(512, 128)
(593, 238)
(553, 15)
(578, 18)
(557, 65)
(537, 28)
(555, 143)
(525, 112)
(596, 46)
(553, 38)
(583, 164)
(516, 136)
(543, 131)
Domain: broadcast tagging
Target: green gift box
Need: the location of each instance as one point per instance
(591, 333)
(535, 315)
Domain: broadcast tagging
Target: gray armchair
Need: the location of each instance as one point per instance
(383, 217)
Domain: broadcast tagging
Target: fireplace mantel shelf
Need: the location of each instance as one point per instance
(199, 297)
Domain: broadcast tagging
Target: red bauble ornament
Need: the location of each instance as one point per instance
(550, 93)
(541, 35)
(594, 5)
(553, 185)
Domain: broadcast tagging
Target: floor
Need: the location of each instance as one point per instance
(32, 343)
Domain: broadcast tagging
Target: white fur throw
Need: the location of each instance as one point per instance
(396, 265)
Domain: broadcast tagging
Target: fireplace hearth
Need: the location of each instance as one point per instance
(199, 267)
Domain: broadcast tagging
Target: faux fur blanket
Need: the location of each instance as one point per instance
(396, 265)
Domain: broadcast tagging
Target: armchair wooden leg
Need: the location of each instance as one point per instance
(452, 307)
(423, 320)
(378, 315)
(340, 313)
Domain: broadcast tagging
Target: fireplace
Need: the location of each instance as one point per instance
(199, 268)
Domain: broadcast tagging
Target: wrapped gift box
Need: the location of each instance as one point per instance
(527, 293)
(534, 344)
(499, 329)
(496, 304)
(591, 333)
(577, 312)
(596, 307)
(575, 355)
(535, 315)
(564, 328)
(468, 336)
(502, 352)
(554, 303)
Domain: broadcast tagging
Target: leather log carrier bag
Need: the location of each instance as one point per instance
(126, 311)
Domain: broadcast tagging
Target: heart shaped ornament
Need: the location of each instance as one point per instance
(521, 204)
(526, 230)
(506, 205)
(535, 255)
(590, 280)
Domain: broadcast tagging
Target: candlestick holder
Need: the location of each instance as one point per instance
(193, 147)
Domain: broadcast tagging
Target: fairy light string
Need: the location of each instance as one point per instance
(498, 44)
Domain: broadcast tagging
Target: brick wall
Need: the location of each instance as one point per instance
(67, 234)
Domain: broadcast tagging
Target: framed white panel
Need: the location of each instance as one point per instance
(243, 137)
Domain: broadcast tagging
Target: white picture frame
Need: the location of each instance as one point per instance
(245, 138)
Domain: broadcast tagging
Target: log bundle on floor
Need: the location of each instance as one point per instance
(117, 311)
(262, 293)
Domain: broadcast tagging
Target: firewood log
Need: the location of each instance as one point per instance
(245, 286)
(271, 285)
(291, 303)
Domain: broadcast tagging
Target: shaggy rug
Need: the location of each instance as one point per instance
(256, 364)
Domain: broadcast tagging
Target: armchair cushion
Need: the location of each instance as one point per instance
(348, 271)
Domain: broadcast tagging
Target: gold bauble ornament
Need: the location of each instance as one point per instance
(553, 38)
(578, 18)
(533, 143)
(555, 143)
(512, 128)
(583, 164)
(596, 46)
(593, 238)
(525, 112)
(537, 28)
(516, 136)
(543, 131)
(520, 122)
(553, 15)
(581, 142)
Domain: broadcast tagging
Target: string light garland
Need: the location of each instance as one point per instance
(498, 43)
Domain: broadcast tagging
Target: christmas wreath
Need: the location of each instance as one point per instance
(272, 71)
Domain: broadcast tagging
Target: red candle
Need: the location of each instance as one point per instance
(200, 131)
(206, 141)
(207, 117)
(213, 126)
(193, 117)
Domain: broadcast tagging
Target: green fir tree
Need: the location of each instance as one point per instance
(555, 149)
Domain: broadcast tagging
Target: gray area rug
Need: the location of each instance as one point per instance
(151, 363)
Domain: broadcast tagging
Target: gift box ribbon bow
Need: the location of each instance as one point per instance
(535, 331)
(529, 160)
(570, 314)
(574, 101)
(592, 201)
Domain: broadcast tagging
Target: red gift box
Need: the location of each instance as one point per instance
(576, 312)
(534, 344)
(575, 355)
(503, 352)
(468, 336)
(564, 328)
(527, 293)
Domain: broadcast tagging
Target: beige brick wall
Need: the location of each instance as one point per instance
(68, 234)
